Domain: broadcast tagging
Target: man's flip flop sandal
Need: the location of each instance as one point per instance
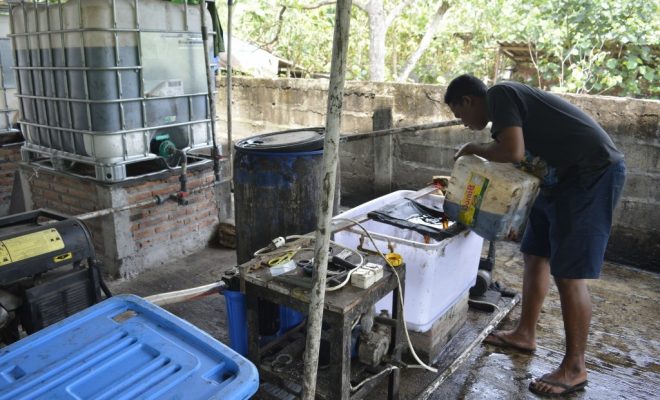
(495, 339)
(567, 388)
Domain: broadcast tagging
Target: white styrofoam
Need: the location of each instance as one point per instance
(438, 272)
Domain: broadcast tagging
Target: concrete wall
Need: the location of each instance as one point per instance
(635, 128)
(266, 105)
(260, 106)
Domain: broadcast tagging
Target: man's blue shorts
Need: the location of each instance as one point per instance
(572, 226)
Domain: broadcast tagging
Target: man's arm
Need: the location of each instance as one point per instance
(509, 147)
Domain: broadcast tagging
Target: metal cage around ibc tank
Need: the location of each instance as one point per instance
(8, 99)
(105, 82)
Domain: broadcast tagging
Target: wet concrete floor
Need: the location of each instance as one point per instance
(623, 354)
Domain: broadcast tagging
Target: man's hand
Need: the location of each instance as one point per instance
(509, 147)
(466, 149)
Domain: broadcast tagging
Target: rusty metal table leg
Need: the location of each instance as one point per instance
(397, 343)
(340, 354)
(252, 307)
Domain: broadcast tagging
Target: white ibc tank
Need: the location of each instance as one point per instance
(99, 79)
(492, 199)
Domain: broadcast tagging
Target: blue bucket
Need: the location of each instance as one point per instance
(237, 321)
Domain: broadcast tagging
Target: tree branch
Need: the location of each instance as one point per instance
(395, 12)
(314, 6)
(357, 3)
(431, 28)
(534, 57)
(279, 29)
(361, 5)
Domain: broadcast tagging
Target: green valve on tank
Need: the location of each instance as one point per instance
(166, 148)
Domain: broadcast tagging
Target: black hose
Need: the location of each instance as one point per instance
(104, 287)
(94, 265)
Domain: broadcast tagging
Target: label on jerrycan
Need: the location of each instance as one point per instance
(475, 190)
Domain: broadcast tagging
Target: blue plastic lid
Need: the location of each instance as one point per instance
(124, 348)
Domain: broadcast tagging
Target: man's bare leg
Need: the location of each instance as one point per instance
(576, 311)
(536, 281)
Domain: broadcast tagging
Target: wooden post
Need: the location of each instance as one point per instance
(330, 161)
(382, 120)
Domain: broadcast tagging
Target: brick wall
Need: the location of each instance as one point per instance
(10, 156)
(130, 241)
(169, 222)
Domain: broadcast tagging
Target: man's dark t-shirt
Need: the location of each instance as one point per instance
(555, 131)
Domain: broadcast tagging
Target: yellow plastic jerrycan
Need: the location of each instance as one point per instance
(492, 199)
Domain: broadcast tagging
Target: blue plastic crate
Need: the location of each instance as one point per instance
(124, 348)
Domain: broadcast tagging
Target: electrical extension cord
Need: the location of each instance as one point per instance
(486, 303)
(405, 327)
(264, 251)
(386, 370)
(282, 248)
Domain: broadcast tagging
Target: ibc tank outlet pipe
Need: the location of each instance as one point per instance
(182, 194)
(190, 294)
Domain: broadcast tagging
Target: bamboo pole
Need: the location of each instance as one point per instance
(330, 161)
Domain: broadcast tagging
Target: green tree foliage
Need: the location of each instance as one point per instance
(588, 46)
(580, 46)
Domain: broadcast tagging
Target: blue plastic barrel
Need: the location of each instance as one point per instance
(289, 318)
(237, 321)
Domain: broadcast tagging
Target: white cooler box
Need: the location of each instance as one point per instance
(438, 272)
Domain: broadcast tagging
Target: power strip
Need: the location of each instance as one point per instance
(366, 275)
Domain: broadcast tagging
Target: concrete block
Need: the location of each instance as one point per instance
(428, 345)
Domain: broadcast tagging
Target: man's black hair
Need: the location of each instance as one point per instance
(464, 85)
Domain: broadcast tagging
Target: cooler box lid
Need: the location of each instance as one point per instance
(124, 348)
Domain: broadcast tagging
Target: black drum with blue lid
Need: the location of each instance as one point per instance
(278, 183)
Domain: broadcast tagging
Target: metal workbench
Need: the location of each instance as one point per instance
(341, 311)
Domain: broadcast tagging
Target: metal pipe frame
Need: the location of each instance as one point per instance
(6, 111)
